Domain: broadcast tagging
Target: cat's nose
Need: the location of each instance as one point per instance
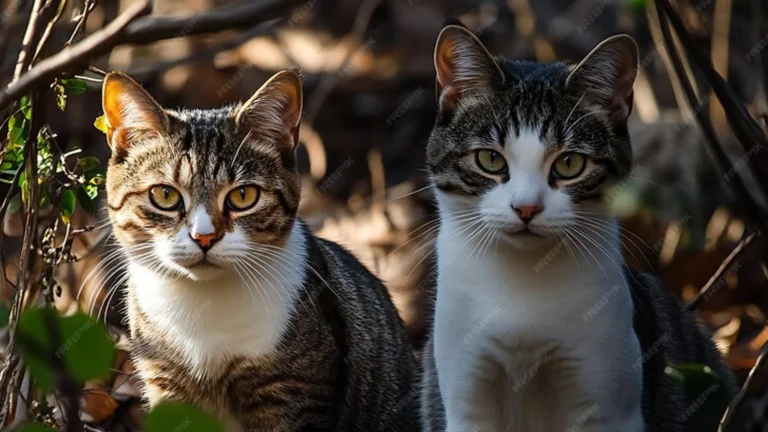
(205, 241)
(527, 212)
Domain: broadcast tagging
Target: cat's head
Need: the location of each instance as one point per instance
(525, 150)
(194, 192)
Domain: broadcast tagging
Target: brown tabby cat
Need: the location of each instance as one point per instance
(233, 304)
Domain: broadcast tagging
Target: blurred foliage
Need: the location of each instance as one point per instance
(171, 416)
(79, 341)
(707, 396)
(36, 427)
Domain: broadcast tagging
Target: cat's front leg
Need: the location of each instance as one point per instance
(469, 388)
(608, 390)
(633, 423)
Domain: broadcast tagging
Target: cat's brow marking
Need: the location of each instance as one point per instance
(239, 146)
(574, 108)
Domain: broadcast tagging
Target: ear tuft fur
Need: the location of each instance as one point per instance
(607, 74)
(129, 110)
(275, 109)
(464, 66)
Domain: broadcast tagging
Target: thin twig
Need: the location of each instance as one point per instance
(48, 30)
(92, 46)
(754, 213)
(749, 134)
(27, 259)
(26, 44)
(146, 30)
(247, 14)
(762, 361)
(329, 80)
(87, 9)
(3, 209)
(704, 292)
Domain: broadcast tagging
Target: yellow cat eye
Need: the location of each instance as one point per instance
(164, 197)
(569, 165)
(242, 197)
(490, 161)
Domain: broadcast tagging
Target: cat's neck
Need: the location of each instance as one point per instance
(233, 314)
(589, 262)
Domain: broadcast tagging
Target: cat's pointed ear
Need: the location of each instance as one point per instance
(607, 74)
(464, 66)
(129, 110)
(275, 109)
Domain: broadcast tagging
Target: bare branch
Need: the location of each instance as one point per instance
(93, 45)
(124, 30)
(26, 44)
(724, 266)
(248, 14)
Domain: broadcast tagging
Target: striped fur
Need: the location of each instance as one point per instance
(271, 329)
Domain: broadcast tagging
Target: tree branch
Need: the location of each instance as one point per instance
(247, 14)
(26, 44)
(124, 30)
(755, 214)
(93, 45)
(704, 293)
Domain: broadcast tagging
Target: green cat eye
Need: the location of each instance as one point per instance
(568, 166)
(491, 161)
(165, 197)
(243, 197)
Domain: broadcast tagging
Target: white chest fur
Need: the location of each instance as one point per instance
(232, 315)
(535, 341)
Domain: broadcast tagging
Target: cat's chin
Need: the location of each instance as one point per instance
(203, 272)
(526, 240)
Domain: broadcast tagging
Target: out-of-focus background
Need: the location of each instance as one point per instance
(369, 106)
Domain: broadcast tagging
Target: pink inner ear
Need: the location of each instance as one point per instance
(444, 65)
(275, 109)
(127, 106)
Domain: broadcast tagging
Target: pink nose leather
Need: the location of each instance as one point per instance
(205, 240)
(527, 212)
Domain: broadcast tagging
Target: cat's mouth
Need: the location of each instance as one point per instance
(203, 263)
(524, 232)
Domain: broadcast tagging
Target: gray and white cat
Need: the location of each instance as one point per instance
(539, 326)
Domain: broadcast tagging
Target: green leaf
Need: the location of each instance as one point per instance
(18, 129)
(61, 96)
(177, 416)
(86, 348)
(97, 179)
(23, 186)
(85, 200)
(637, 5)
(707, 397)
(74, 86)
(26, 107)
(4, 315)
(91, 191)
(88, 164)
(43, 198)
(67, 203)
(15, 204)
(36, 427)
(101, 124)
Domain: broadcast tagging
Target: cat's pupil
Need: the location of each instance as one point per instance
(242, 194)
(567, 161)
(166, 192)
